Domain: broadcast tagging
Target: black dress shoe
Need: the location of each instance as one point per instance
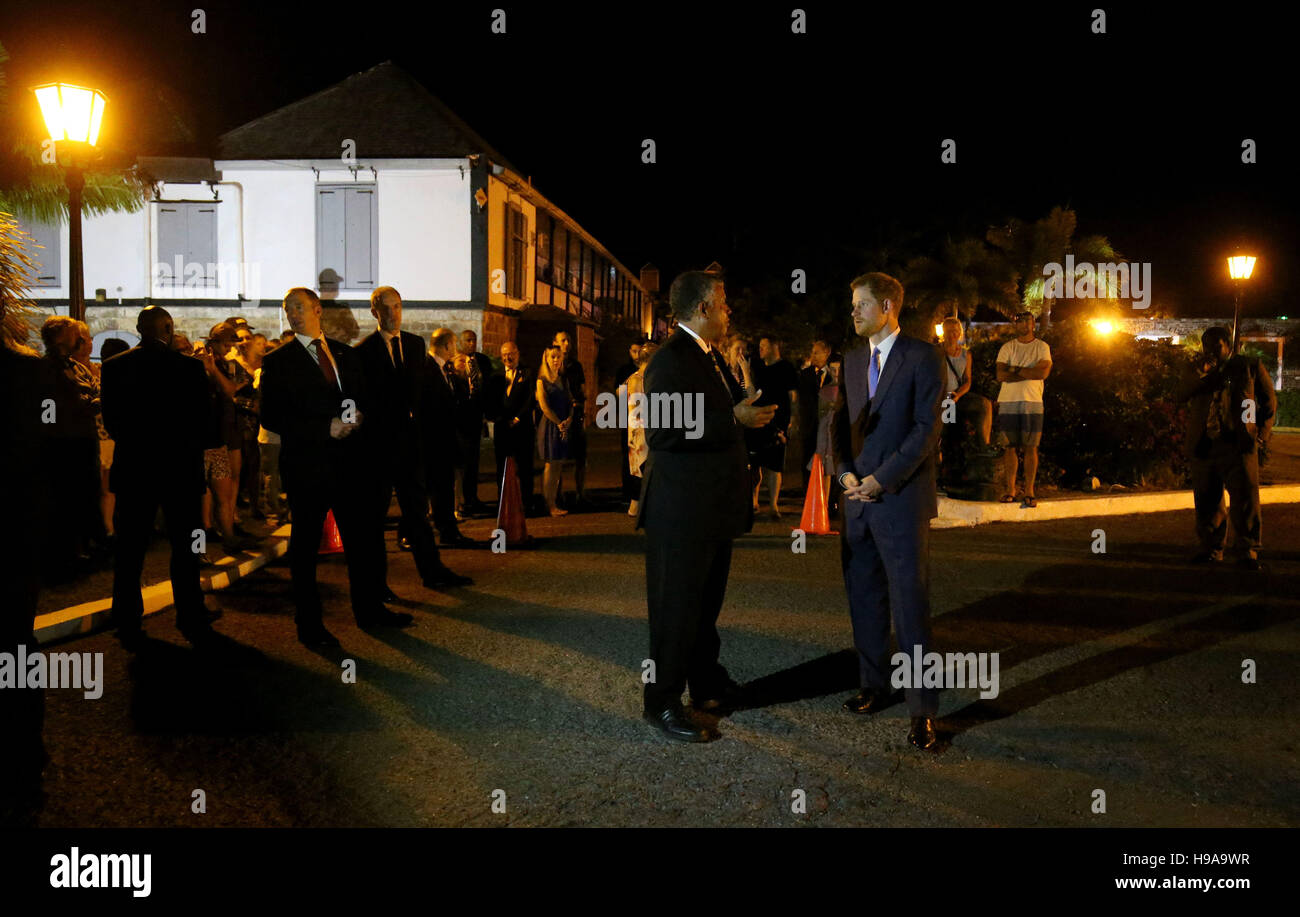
(385, 618)
(445, 577)
(403, 544)
(731, 697)
(459, 541)
(389, 596)
(316, 636)
(1250, 563)
(923, 733)
(1207, 557)
(673, 723)
(867, 702)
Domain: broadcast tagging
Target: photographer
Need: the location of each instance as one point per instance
(1230, 416)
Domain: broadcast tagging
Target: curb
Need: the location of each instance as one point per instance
(959, 513)
(89, 617)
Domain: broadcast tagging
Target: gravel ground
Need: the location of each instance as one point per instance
(1119, 672)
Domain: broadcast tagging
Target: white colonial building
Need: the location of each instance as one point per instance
(370, 182)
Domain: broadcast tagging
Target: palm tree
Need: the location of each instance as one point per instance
(1029, 247)
(15, 277)
(965, 275)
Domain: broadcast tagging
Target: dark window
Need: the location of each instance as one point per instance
(560, 256)
(543, 247)
(574, 284)
(516, 249)
(347, 256)
(48, 260)
(187, 245)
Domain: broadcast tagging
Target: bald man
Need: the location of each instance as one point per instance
(314, 396)
(155, 407)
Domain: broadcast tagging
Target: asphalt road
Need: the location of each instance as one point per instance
(1119, 672)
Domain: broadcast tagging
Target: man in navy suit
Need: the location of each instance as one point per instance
(884, 434)
(694, 504)
(394, 361)
(314, 396)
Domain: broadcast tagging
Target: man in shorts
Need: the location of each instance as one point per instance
(1023, 364)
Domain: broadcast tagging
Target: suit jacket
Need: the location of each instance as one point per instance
(1247, 380)
(438, 418)
(155, 407)
(809, 391)
(298, 402)
(503, 406)
(394, 398)
(694, 487)
(894, 435)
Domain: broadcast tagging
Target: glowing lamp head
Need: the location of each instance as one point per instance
(1101, 326)
(1240, 267)
(71, 112)
(938, 330)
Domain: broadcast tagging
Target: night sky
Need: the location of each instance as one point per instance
(777, 151)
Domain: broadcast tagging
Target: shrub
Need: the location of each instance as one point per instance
(1110, 406)
(1288, 409)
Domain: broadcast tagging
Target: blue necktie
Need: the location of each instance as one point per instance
(873, 373)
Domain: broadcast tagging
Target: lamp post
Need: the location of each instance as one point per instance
(1240, 268)
(73, 115)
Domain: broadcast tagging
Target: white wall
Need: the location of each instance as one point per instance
(424, 233)
(424, 209)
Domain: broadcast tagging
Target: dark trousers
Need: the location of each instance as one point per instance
(889, 573)
(518, 443)
(250, 468)
(1225, 467)
(686, 581)
(73, 463)
(471, 445)
(133, 520)
(22, 710)
(413, 502)
(440, 481)
(360, 528)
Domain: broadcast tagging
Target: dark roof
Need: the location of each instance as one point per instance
(384, 109)
(177, 168)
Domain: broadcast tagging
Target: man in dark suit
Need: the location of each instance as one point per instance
(314, 395)
(439, 444)
(155, 403)
(28, 385)
(812, 379)
(1232, 406)
(472, 411)
(393, 361)
(884, 435)
(694, 503)
(510, 400)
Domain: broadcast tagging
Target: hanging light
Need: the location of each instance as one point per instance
(71, 112)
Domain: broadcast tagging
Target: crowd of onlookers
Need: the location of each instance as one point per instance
(537, 412)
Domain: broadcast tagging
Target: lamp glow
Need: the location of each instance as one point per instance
(1101, 326)
(1240, 267)
(938, 329)
(71, 112)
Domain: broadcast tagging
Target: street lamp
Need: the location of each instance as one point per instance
(1240, 268)
(73, 115)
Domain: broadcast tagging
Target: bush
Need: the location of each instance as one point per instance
(1288, 409)
(1110, 407)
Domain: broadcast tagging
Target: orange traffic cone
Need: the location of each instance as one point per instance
(815, 520)
(330, 542)
(510, 511)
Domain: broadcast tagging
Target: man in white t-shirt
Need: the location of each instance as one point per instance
(1023, 364)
